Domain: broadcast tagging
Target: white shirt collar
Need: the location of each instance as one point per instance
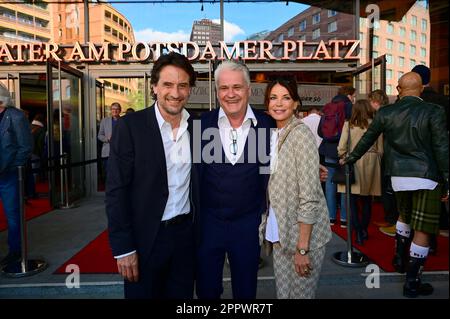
(248, 115)
(184, 116)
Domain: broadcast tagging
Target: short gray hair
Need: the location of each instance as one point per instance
(233, 66)
(5, 97)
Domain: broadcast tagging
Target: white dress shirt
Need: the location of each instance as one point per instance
(401, 184)
(241, 132)
(178, 161)
(272, 225)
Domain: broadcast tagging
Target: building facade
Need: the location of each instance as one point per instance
(205, 30)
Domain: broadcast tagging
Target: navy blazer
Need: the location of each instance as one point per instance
(136, 185)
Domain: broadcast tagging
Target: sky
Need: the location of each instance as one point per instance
(173, 22)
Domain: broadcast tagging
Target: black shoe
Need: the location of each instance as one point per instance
(332, 221)
(415, 289)
(12, 257)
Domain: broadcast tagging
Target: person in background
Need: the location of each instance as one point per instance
(431, 96)
(377, 99)
(416, 150)
(152, 189)
(107, 125)
(328, 153)
(312, 121)
(15, 150)
(129, 110)
(367, 169)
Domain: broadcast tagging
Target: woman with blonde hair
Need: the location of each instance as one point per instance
(297, 225)
(367, 170)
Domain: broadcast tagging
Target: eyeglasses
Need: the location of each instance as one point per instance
(233, 145)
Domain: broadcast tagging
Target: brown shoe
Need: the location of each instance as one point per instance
(382, 224)
(390, 230)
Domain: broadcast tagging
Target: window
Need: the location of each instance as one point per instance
(316, 33)
(281, 37)
(399, 74)
(375, 41)
(412, 63)
(402, 31)
(332, 26)
(388, 74)
(302, 25)
(316, 18)
(59, 18)
(404, 19)
(401, 46)
(389, 44)
(375, 54)
(389, 59)
(423, 38)
(424, 25)
(291, 32)
(389, 89)
(412, 35)
(390, 28)
(60, 33)
(302, 37)
(423, 52)
(361, 37)
(331, 13)
(401, 61)
(413, 20)
(412, 49)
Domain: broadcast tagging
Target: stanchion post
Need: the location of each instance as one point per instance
(349, 258)
(26, 267)
(65, 204)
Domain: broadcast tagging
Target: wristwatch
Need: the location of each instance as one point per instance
(302, 251)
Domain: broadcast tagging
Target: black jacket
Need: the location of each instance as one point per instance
(415, 139)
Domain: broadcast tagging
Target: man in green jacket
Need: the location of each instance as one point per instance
(416, 152)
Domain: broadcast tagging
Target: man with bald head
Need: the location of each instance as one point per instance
(416, 153)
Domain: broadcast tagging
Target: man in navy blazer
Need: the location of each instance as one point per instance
(151, 190)
(233, 179)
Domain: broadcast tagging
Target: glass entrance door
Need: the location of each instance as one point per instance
(65, 138)
(371, 76)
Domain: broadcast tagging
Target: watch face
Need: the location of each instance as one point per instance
(302, 252)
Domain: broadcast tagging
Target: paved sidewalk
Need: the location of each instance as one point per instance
(60, 234)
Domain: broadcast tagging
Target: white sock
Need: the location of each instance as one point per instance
(403, 229)
(418, 251)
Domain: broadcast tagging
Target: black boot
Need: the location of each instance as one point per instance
(400, 260)
(413, 286)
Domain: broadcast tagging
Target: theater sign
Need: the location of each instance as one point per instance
(148, 52)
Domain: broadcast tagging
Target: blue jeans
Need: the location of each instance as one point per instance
(9, 194)
(331, 189)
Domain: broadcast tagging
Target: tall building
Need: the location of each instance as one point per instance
(106, 24)
(205, 30)
(27, 22)
(406, 43)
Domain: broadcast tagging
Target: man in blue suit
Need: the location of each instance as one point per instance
(233, 186)
(151, 189)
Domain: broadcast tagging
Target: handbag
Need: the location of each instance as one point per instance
(339, 173)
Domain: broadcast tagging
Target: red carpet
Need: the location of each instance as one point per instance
(96, 257)
(34, 208)
(380, 248)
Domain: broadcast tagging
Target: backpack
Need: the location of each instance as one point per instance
(332, 121)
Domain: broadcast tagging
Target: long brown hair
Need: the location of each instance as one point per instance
(360, 114)
(289, 83)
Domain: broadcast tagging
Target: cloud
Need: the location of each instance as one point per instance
(150, 35)
(231, 30)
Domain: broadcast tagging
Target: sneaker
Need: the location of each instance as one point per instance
(389, 230)
(343, 224)
(332, 221)
(12, 257)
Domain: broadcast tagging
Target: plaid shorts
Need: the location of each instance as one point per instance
(420, 209)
